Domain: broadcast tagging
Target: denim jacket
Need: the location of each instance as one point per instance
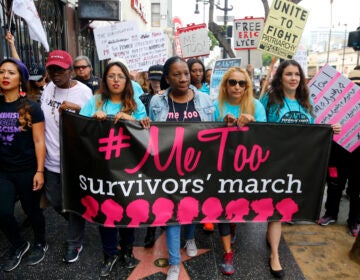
(159, 106)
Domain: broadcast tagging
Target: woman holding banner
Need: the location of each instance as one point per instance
(287, 101)
(116, 99)
(181, 102)
(236, 106)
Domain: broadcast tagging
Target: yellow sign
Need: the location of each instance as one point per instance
(283, 29)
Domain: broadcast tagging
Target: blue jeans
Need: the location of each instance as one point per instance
(173, 241)
(76, 223)
(20, 184)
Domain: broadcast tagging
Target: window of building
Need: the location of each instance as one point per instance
(155, 15)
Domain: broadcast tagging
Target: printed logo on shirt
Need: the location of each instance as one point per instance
(295, 117)
(8, 127)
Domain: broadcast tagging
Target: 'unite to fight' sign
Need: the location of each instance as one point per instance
(283, 29)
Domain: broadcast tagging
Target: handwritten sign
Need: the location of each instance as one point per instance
(337, 100)
(247, 33)
(115, 34)
(283, 29)
(194, 40)
(221, 66)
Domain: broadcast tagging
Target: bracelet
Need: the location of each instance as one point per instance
(39, 171)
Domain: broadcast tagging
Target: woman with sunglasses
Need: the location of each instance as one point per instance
(116, 99)
(235, 106)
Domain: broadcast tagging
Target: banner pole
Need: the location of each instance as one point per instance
(267, 79)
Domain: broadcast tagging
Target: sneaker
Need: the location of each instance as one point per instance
(14, 255)
(209, 227)
(37, 254)
(354, 230)
(107, 265)
(233, 233)
(226, 266)
(191, 249)
(72, 254)
(174, 272)
(129, 259)
(325, 220)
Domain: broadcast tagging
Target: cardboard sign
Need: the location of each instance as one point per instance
(221, 66)
(194, 40)
(337, 100)
(247, 33)
(283, 29)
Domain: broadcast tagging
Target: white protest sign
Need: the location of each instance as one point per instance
(301, 57)
(147, 48)
(283, 29)
(247, 33)
(194, 40)
(109, 36)
(337, 100)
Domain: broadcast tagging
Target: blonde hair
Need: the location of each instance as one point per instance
(247, 100)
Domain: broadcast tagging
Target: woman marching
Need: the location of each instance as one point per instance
(22, 157)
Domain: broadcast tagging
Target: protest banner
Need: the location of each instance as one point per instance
(220, 67)
(194, 40)
(283, 29)
(108, 36)
(337, 100)
(181, 173)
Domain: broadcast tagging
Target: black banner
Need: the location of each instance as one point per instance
(180, 173)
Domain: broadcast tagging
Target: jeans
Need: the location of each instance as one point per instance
(109, 239)
(173, 241)
(76, 225)
(20, 184)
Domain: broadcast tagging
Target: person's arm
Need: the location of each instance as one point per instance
(11, 41)
(38, 130)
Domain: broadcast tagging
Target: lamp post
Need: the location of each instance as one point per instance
(226, 9)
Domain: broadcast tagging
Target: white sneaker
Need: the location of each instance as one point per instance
(173, 273)
(191, 249)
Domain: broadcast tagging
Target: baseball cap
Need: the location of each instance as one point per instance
(37, 71)
(59, 58)
(354, 76)
(155, 72)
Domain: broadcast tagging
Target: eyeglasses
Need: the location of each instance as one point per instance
(80, 67)
(233, 82)
(114, 77)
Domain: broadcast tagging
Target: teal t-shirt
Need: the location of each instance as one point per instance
(291, 112)
(110, 108)
(259, 113)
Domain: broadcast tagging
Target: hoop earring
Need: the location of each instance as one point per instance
(21, 92)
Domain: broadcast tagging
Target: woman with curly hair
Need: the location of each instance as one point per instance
(116, 99)
(22, 157)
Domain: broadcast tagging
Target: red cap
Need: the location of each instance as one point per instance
(59, 58)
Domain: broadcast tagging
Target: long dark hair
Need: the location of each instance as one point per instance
(24, 108)
(191, 62)
(127, 97)
(276, 91)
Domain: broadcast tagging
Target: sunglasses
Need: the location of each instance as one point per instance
(81, 67)
(233, 82)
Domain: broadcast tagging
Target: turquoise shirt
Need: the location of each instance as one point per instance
(291, 112)
(110, 108)
(259, 114)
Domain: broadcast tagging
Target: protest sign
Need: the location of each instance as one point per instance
(337, 100)
(247, 33)
(221, 66)
(108, 36)
(180, 173)
(194, 40)
(301, 57)
(283, 29)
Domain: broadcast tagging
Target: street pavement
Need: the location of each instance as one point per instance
(251, 255)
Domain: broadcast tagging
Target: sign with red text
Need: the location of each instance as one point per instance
(283, 29)
(247, 33)
(337, 100)
(194, 40)
(181, 173)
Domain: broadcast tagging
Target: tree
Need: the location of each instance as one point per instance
(220, 32)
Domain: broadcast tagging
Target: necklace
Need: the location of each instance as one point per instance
(54, 104)
(187, 105)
